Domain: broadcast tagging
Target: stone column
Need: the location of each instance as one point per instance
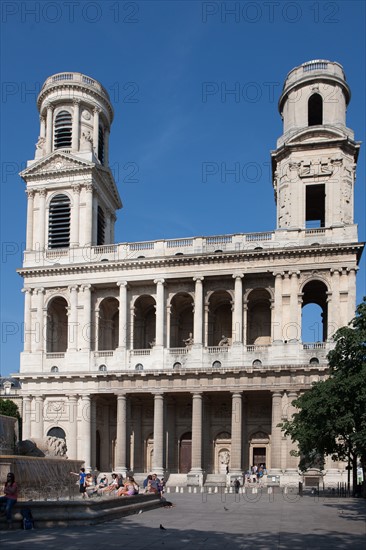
(294, 308)
(197, 409)
(38, 429)
(236, 466)
(237, 331)
(122, 335)
(42, 219)
(75, 125)
(42, 121)
(159, 335)
(351, 272)
(132, 326)
(49, 129)
(85, 328)
(277, 317)
(75, 216)
(207, 307)
(158, 454)
(73, 320)
(96, 112)
(121, 444)
(245, 321)
(27, 319)
(198, 311)
(40, 328)
(30, 219)
(334, 313)
(88, 238)
(71, 439)
(93, 434)
(276, 436)
(84, 431)
(27, 417)
(106, 147)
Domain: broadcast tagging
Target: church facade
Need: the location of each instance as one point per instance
(182, 356)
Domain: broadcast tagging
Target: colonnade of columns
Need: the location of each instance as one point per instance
(285, 312)
(76, 414)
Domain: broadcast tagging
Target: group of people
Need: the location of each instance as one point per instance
(118, 486)
(256, 473)
(152, 484)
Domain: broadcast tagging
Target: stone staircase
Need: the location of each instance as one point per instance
(215, 480)
(177, 480)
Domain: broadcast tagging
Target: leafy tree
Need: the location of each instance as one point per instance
(9, 408)
(332, 414)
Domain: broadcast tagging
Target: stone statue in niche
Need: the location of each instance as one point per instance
(86, 141)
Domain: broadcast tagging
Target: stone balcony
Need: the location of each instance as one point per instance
(239, 242)
(198, 358)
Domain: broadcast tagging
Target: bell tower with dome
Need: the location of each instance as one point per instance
(315, 160)
(72, 195)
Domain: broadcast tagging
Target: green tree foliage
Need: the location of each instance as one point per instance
(9, 408)
(332, 414)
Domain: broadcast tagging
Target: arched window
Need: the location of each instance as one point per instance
(63, 130)
(57, 432)
(315, 110)
(100, 227)
(59, 222)
(101, 144)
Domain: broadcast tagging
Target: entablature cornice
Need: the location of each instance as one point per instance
(180, 381)
(267, 261)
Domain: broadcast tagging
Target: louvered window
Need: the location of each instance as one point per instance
(63, 130)
(59, 222)
(101, 227)
(101, 145)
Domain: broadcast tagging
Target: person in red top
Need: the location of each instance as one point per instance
(10, 496)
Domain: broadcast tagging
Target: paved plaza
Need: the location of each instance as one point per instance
(216, 522)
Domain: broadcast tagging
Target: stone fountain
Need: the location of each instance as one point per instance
(41, 467)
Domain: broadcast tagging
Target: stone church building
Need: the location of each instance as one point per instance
(181, 356)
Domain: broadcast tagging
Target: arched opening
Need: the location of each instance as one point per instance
(181, 319)
(59, 222)
(100, 227)
(185, 453)
(57, 432)
(219, 318)
(144, 323)
(63, 130)
(314, 317)
(56, 339)
(315, 110)
(108, 324)
(259, 318)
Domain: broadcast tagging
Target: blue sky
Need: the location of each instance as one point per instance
(156, 59)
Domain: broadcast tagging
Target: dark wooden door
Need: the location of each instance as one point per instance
(185, 453)
(259, 456)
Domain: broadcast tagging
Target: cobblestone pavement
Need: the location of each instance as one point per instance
(216, 522)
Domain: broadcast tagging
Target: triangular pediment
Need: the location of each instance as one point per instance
(56, 162)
